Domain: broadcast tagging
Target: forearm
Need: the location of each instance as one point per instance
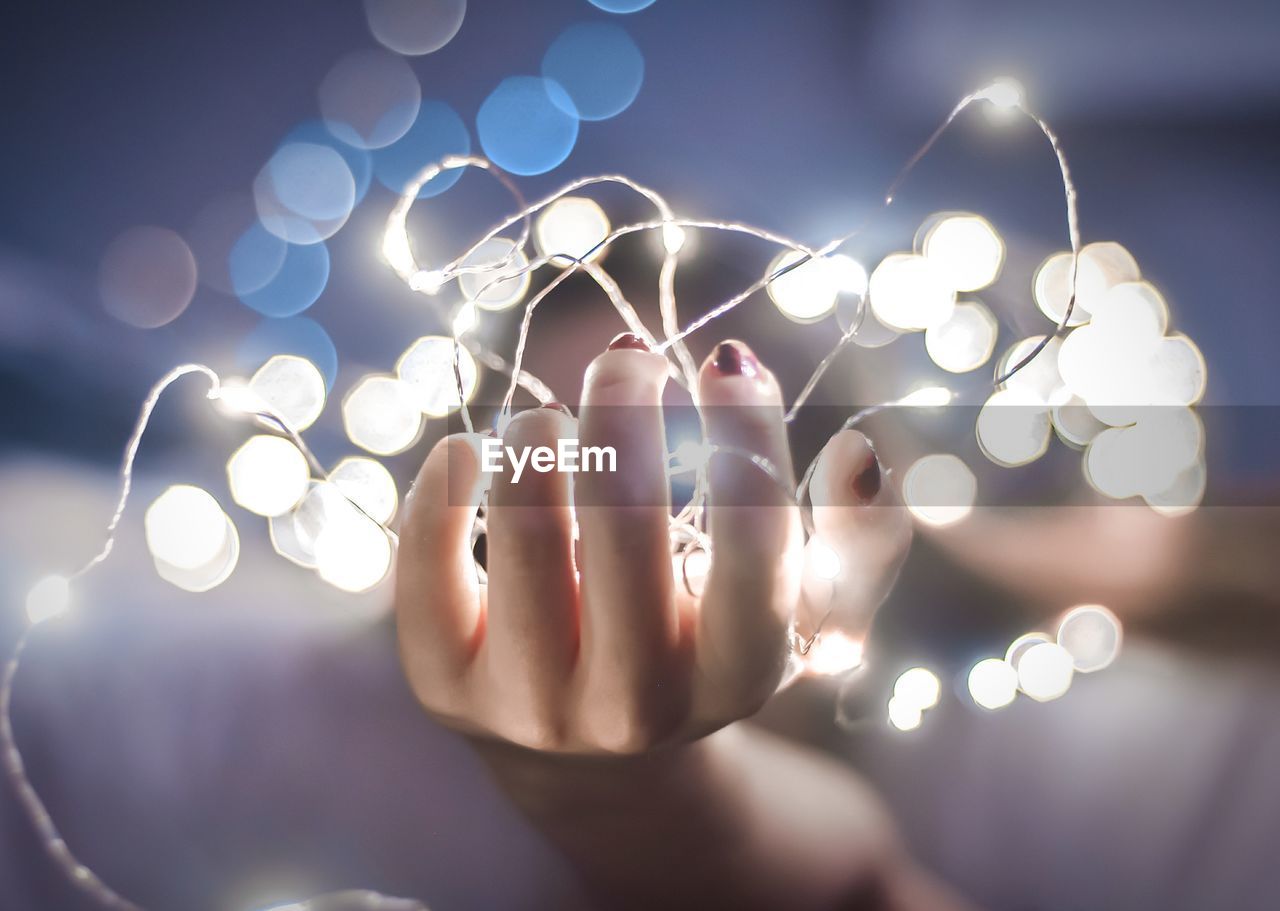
(739, 819)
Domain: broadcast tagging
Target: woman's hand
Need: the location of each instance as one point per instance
(604, 650)
(586, 674)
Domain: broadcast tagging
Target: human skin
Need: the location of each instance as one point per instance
(607, 700)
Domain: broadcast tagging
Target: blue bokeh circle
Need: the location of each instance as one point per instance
(525, 126)
(598, 65)
(438, 131)
(296, 286)
(297, 335)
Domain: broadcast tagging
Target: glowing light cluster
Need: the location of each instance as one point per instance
(1042, 667)
(916, 691)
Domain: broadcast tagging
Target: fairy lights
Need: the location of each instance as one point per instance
(1092, 377)
(48, 598)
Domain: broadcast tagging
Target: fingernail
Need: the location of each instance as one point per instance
(866, 483)
(628, 340)
(557, 406)
(733, 359)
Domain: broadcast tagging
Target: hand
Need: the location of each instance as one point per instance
(621, 658)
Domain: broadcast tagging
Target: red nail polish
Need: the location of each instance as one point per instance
(557, 406)
(628, 340)
(733, 359)
(866, 483)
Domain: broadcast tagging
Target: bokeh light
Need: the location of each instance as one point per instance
(369, 485)
(427, 369)
(268, 475)
(48, 598)
(939, 489)
(909, 292)
(833, 652)
(821, 560)
(599, 67)
(293, 387)
(524, 126)
(147, 277)
(1102, 265)
(918, 686)
(965, 340)
(352, 553)
(1039, 380)
(369, 98)
(437, 132)
(571, 226)
(255, 258)
(993, 684)
(359, 162)
(184, 527)
(1045, 671)
(305, 192)
(966, 249)
(297, 335)
(502, 277)
(193, 543)
(1013, 428)
(1092, 635)
(298, 283)
(621, 6)
(414, 27)
(381, 415)
(808, 292)
(294, 533)
(904, 715)
(1019, 647)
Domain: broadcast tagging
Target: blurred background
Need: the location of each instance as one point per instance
(234, 749)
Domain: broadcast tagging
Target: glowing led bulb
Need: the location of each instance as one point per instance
(808, 292)
(1091, 634)
(690, 456)
(673, 237)
(193, 543)
(966, 249)
(48, 598)
(292, 387)
(823, 561)
(234, 398)
(503, 276)
(466, 320)
(909, 292)
(426, 281)
(381, 414)
(268, 475)
(1005, 93)
(833, 652)
(1045, 671)
(918, 686)
(352, 553)
(993, 684)
(904, 715)
(939, 489)
(965, 340)
(571, 226)
(427, 369)
(369, 485)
